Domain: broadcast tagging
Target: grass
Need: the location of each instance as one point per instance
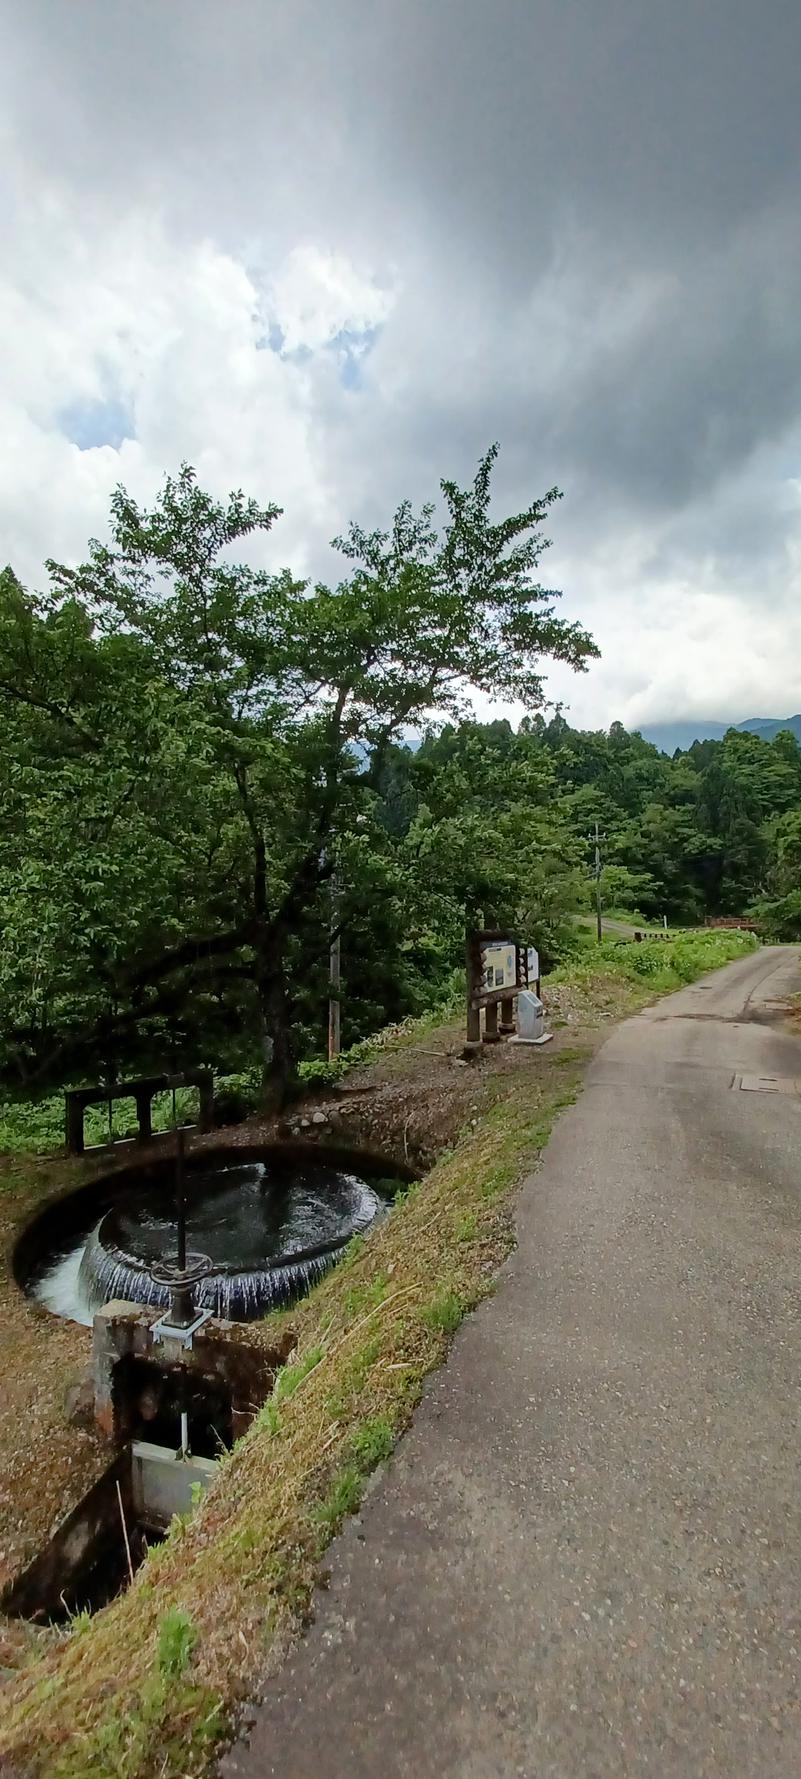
(148, 1686)
(320, 1073)
(660, 965)
(242, 1569)
(36, 1126)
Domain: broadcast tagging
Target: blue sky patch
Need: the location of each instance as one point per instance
(273, 341)
(352, 347)
(92, 423)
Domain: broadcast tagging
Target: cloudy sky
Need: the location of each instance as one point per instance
(328, 251)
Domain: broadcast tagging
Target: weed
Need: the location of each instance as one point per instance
(177, 1639)
(571, 1054)
(290, 1377)
(269, 1418)
(445, 1312)
(368, 1296)
(127, 1739)
(372, 1442)
(388, 1187)
(495, 1180)
(342, 1497)
(354, 1373)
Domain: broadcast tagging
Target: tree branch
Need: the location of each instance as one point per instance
(56, 711)
(193, 951)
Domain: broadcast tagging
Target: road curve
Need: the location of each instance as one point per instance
(585, 1558)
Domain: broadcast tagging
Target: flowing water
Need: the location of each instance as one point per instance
(270, 1229)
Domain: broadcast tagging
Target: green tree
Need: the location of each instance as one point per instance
(202, 736)
(780, 908)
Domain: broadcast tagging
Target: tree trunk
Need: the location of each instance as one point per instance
(276, 1036)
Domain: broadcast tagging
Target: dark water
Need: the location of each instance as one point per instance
(270, 1230)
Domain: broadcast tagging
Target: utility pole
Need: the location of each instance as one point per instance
(334, 971)
(334, 964)
(598, 839)
(334, 981)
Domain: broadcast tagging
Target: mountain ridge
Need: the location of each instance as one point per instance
(681, 734)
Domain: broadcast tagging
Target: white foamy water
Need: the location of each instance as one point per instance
(60, 1290)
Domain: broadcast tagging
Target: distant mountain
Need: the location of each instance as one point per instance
(767, 727)
(668, 736)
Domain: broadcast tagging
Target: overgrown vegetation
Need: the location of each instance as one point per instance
(35, 1125)
(206, 772)
(661, 964)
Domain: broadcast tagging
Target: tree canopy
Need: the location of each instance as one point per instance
(193, 753)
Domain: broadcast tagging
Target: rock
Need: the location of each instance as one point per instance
(79, 1403)
(319, 1118)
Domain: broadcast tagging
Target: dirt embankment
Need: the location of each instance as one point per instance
(419, 1094)
(411, 1104)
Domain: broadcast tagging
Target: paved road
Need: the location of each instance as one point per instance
(585, 1559)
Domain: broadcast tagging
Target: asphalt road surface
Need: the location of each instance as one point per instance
(585, 1558)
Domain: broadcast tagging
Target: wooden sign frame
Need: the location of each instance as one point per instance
(491, 998)
(477, 943)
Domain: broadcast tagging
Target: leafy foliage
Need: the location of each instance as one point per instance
(191, 754)
(205, 767)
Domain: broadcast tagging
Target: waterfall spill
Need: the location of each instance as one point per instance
(271, 1228)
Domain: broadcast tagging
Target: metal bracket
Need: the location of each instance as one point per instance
(165, 1330)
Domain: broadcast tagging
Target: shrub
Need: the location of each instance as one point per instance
(236, 1097)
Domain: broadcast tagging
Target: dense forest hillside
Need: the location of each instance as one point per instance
(201, 780)
(714, 831)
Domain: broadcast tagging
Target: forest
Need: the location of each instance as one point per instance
(207, 768)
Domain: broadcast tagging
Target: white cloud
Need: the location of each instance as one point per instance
(173, 331)
(315, 295)
(330, 260)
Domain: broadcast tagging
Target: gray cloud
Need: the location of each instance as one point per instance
(589, 222)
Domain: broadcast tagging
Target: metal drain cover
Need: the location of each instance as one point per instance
(768, 1083)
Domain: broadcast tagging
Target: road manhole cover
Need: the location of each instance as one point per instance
(768, 1083)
